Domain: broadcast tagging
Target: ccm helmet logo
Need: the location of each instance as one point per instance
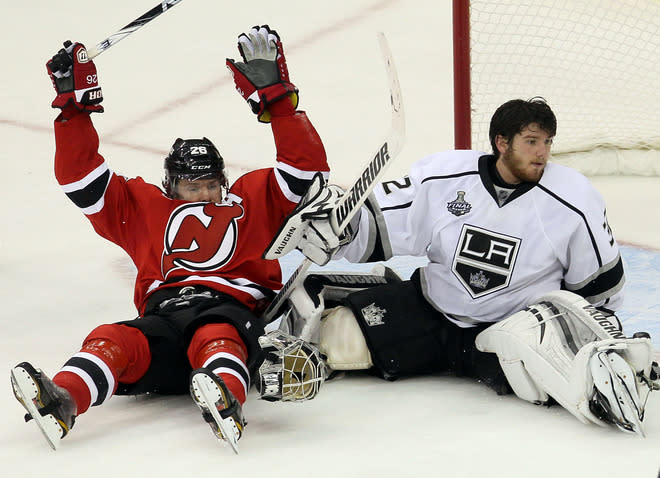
(205, 166)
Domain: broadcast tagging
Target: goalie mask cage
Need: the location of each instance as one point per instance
(596, 62)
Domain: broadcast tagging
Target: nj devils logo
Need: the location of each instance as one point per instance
(201, 236)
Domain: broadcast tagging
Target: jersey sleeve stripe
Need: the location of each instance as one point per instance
(294, 182)
(380, 246)
(450, 176)
(606, 282)
(88, 193)
(398, 206)
(87, 180)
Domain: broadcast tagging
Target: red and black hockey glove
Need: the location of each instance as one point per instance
(263, 78)
(74, 77)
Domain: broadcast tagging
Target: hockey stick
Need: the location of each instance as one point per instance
(136, 24)
(370, 175)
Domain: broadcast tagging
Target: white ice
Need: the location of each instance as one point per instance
(59, 279)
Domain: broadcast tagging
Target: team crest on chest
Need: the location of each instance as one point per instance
(200, 236)
(484, 260)
(373, 315)
(459, 206)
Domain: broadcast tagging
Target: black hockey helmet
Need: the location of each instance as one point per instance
(193, 159)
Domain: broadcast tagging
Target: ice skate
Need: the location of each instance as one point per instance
(219, 407)
(52, 408)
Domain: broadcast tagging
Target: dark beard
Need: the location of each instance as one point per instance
(509, 159)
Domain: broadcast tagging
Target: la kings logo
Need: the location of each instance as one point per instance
(373, 315)
(484, 260)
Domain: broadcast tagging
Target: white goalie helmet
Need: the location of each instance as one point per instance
(292, 371)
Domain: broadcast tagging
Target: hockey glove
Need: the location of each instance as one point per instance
(263, 78)
(308, 227)
(74, 78)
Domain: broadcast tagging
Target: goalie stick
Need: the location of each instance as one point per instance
(371, 174)
(136, 24)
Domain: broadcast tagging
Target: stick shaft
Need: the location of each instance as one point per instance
(136, 24)
(374, 171)
(369, 176)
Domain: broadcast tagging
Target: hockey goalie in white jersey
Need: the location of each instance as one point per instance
(523, 279)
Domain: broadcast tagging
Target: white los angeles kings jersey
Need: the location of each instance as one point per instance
(489, 261)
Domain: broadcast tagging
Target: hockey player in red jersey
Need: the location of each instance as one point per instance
(201, 281)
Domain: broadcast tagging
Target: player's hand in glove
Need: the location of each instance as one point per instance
(308, 227)
(263, 78)
(74, 77)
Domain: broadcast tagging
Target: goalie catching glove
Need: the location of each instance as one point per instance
(262, 78)
(74, 78)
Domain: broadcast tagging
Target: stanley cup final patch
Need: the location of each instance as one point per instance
(484, 260)
(459, 206)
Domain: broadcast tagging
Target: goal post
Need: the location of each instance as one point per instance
(596, 62)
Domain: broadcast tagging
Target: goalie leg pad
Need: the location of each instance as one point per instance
(321, 290)
(561, 348)
(342, 341)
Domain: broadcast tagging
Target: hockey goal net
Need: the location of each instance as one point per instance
(596, 62)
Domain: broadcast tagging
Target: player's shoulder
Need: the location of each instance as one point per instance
(253, 179)
(448, 162)
(141, 189)
(569, 184)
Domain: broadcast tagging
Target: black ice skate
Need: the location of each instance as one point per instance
(52, 408)
(219, 407)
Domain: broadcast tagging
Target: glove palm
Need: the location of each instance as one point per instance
(262, 78)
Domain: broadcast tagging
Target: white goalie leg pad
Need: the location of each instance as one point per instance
(342, 341)
(559, 346)
(513, 340)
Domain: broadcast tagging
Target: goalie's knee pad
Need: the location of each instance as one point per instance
(342, 342)
(321, 290)
(566, 349)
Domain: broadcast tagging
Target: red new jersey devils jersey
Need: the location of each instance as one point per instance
(177, 243)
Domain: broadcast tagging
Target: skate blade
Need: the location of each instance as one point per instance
(27, 393)
(207, 394)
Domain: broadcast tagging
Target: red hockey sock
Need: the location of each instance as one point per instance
(110, 354)
(220, 348)
(77, 387)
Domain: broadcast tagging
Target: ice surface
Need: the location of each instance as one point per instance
(59, 279)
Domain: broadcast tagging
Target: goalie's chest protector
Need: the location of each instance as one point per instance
(487, 260)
